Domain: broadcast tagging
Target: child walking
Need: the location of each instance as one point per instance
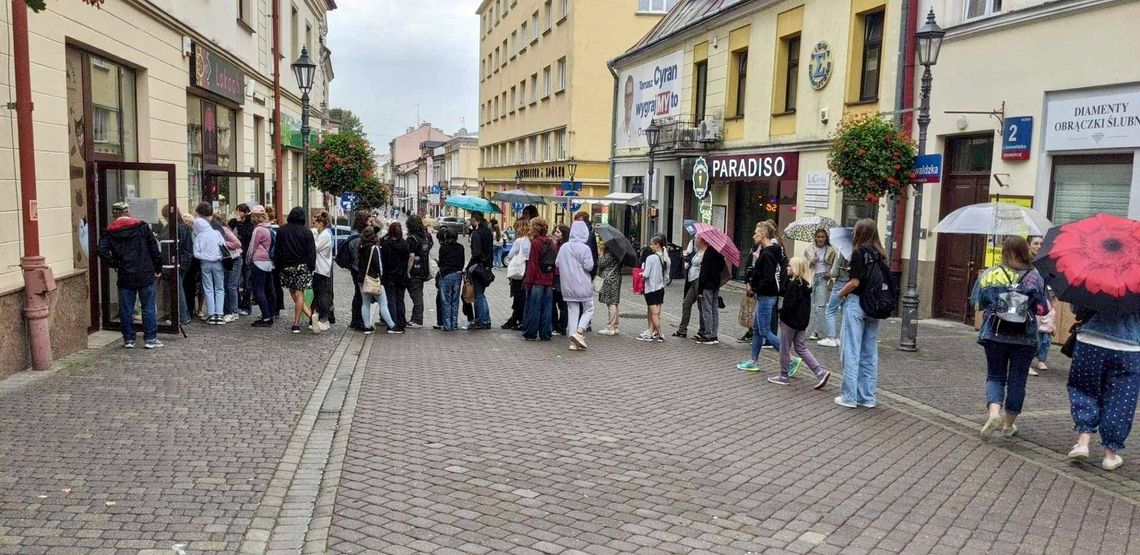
(794, 318)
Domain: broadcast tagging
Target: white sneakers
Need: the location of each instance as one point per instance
(1080, 453)
(577, 340)
(828, 342)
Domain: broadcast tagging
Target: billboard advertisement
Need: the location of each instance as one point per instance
(651, 91)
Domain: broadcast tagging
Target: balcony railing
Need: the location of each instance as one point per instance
(684, 133)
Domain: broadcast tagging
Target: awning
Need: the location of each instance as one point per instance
(630, 199)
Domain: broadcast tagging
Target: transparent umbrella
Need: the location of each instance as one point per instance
(995, 219)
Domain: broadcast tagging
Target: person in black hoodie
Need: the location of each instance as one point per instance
(419, 250)
(185, 260)
(450, 278)
(242, 226)
(764, 284)
(130, 247)
(708, 286)
(794, 318)
(295, 253)
(394, 261)
(482, 250)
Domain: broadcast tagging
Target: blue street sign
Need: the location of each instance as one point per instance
(517, 206)
(1017, 138)
(348, 201)
(571, 186)
(928, 168)
(570, 205)
(435, 189)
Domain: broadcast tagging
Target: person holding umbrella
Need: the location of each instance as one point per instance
(609, 293)
(821, 256)
(709, 280)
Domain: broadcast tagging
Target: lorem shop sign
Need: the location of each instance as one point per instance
(1094, 122)
(755, 167)
(651, 91)
(213, 73)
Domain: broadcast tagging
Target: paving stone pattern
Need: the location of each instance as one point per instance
(479, 442)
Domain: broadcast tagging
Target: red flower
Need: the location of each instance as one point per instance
(872, 198)
(846, 181)
(898, 167)
(1101, 254)
(862, 151)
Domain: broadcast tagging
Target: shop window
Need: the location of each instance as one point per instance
(1086, 185)
(872, 57)
(855, 209)
(211, 145)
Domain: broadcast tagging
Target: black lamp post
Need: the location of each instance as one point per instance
(305, 70)
(929, 39)
(652, 138)
(572, 167)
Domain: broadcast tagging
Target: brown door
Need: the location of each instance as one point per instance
(965, 182)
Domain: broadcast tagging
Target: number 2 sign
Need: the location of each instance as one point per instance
(1017, 138)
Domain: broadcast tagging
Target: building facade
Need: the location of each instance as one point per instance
(162, 82)
(460, 169)
(544, 94)
(746, 96)
(1064, 140)
(409, 174)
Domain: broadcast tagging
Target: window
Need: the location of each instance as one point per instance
(548, 15)
(549, 144)
(245, 13)
(701, 87)
(522, 94)
(513, 105)
(564, 10)
(496, 58)
(872, 57)
(561, 74)
(534, 27)
(295, 30)
(740, 65)
(1085, 185)
(309, 41)
(982, 8)
(498, 10)
(522, 35)
(533, 141)
(792, 75)
(533, 88)
(505, 54)
(655, 6)
(560, 144)
(514, 43)
(545, 81)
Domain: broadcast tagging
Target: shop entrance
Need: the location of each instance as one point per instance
(150, 191)
(754, 202)
(966, 182)
(226, 190)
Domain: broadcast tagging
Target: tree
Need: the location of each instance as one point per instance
(348, 122)
(373, 194)
(871, 158)
(340, 163)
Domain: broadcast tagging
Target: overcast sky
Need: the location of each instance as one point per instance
(389, 55)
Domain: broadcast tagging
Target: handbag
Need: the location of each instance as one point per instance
(371, 285)
(516, 268)
(468, 294)
(747, 311)
(638, 279)
(1071, 343)
(481, 274)
(600, 281)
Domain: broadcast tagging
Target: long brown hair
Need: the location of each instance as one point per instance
(1015, 253)
(867, 235)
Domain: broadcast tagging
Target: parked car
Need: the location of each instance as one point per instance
(455, 223)
(341, 233)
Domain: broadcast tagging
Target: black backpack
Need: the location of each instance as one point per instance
(346, 256)
(421, 250)
(547, 257)
(880, 292)
(782, 279)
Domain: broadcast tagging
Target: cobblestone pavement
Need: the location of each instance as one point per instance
(479, 442)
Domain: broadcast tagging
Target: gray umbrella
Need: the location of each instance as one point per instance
(518, 195)
(617, 243)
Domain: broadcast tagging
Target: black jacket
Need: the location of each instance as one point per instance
(130, 247)
(394, 258)
(796, 311)
(482, 245)
(592, 242)
(765, 280)
(373, 269)
(712, 270)
(420, 247)
(185, 247)
(244, 231)
(295, 243)
(450, 259)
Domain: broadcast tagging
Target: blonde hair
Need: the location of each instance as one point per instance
(799, 266)
(522, 226)
(538, 227)
(259, 217)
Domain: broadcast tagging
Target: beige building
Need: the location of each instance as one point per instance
(543, 91)
(459, 172)
(409, 179)
(1054, 123)
(163, 82)
(750, 92)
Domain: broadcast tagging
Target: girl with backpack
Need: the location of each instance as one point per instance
(261, 277)
(861, 331)
(654, 269)
(794, 318)
(764, 284)
(539, 282)
(419, 247)
(394, 258)
(1011, 296)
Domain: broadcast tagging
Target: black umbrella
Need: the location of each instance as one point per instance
(1094, 263)
(617, 243)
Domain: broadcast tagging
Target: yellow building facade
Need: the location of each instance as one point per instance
(758, 90)
(545, 95)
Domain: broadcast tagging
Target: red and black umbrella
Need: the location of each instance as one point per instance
(1094, 263)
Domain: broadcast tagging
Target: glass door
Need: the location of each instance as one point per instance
(150, 191)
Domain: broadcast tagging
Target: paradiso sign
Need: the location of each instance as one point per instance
(754, 167)
(701, 178)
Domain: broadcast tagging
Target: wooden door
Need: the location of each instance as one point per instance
(965, 182)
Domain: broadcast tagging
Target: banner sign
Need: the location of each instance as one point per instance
(291, 132)
(755, 167)
(817, 191)
(1094, 122)
(651, 91)
(1016, 138)
(928, 168)
(211, 72)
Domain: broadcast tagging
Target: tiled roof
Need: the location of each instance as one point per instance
(681, 16)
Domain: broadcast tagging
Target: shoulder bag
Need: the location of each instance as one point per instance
(371, 285)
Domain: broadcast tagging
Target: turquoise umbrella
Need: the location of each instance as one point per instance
(470, 203)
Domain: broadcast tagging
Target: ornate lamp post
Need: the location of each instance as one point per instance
(652, 138)
(929, 39)
(305, 70)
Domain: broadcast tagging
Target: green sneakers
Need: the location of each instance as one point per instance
(748, 366)
(794, 365)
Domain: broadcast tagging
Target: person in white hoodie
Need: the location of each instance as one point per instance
(208, 245)
(575, 262)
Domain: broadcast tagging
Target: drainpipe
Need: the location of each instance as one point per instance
(38, 280)
(278, 161)
(613, 126)
(904, 119)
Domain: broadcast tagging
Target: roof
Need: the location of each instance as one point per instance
(684, 14)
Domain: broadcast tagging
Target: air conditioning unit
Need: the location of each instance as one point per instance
(709, 131)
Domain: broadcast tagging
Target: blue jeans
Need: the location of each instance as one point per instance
(183, 308)
(145, 297)
(536, 316)
(233, 280)
(482, 311)
(1007, 370)
(366, 301)
(762, 325)
(214, 286)
(1044, 342)
(833, 304)
(449, 297)
(1103, 385)
(819, 297)
(860, 353)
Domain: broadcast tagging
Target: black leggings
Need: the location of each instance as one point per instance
(263, 288)
(395, 293)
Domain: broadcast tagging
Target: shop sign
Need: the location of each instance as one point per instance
(706, 210)
(1017, 138)
(213, 73)
(545, 172)
(701, 178)
(817, 191)
(291, 132)
(651, 91)
(928, 168)
(819, 68)
(1094, 122)
(755, 167)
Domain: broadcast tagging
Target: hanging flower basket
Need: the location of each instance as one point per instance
(870, 157)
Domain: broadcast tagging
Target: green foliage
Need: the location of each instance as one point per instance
(373, 194)
(340, 163)
(349, 123)
(39, 5)
(870, 157)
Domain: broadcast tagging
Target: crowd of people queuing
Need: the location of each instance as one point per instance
(555, 272)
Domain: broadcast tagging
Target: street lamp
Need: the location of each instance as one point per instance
(572, 167)
(929, 39)
(652, 136)
(305, 70)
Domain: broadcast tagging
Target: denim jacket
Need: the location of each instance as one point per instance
(996, 281)
(1118, 327)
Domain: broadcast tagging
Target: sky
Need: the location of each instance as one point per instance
(390, 55)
